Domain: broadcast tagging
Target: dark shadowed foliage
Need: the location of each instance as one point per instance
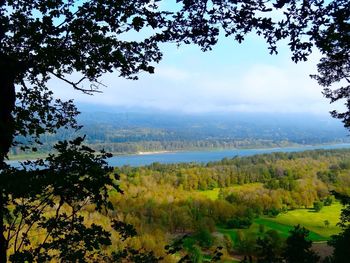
(341, 242)
(43, 39)
(298, 247)
(269, 247)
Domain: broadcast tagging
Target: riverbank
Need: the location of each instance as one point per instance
(154, 152)
(203, 156)
(207, 156)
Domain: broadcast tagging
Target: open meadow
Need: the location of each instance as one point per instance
(314, 221)
(284, 222)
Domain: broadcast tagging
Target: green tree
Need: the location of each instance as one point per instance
(298, 247)
(318, 206)
(244, 244)
(47, 200)
(43, 39)
(328, 200)
(341, 241)
(326, 223)
(221, 195)
(269, 247)
(204, 237)
(40, 39)
(261, 228)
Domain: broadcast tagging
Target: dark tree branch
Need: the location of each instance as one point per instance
(91, 91)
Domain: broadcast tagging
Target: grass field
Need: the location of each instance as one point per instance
(253, 231)
(283, 229)
(283, 223)
(314, 221)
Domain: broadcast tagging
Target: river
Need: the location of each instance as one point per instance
(207, 156)
(201, 156)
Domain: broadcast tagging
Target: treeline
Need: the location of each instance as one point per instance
(181, 145)
(120, 135)
(275, 171)
(166, 201)
(130, 147)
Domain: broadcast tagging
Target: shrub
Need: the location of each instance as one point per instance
(244, 222)
(318, 206)
(328, 201)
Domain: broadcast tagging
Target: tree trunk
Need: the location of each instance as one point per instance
(3, 241)
(7, 104)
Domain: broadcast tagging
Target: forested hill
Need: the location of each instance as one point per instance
(129, 132)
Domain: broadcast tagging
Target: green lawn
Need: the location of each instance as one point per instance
(283, 223)
(314, 221)
(283, 230)
(253, 231)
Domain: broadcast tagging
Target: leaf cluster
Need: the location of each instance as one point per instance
(47, 197)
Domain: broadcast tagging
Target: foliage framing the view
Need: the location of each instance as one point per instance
(40, 39)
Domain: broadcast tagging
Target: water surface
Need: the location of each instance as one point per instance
(207, 156)
(202, 156)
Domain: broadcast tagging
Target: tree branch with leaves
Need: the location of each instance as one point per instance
(41, 39)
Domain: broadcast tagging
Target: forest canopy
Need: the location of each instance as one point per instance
(43, 39)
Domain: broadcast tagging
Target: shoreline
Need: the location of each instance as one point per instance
(296, 146)
(23, 157)
(149, 152)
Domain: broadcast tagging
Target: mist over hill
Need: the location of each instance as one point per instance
(298, 128)
(126, 131)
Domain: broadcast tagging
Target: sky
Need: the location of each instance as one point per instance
(231, 78)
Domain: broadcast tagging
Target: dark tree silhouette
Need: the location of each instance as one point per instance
(341, 241)
(268, 248)
(298, 247)
(43, 39)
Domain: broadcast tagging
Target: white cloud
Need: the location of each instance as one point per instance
(172, 73)
(197, 82)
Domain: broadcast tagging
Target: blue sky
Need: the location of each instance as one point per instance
(232, 77)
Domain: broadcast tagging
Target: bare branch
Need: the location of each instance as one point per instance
(93, 87)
